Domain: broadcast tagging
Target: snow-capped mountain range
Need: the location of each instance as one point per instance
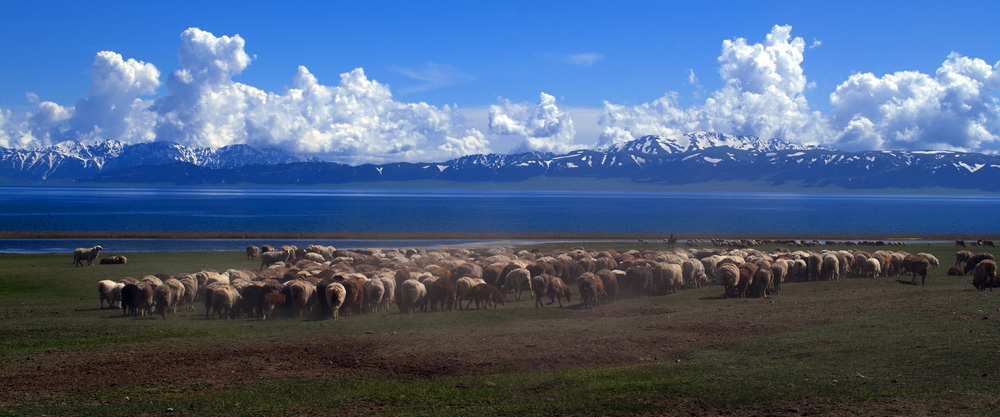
(688, 159)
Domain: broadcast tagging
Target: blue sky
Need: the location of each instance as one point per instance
(643, 67)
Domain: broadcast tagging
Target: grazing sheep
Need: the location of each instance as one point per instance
(830, 269)
(638, 281)
(190, 290)
(872, 268)
(374, 291)
(302, 295)
(252, 252)
(484, 295)
(104, 292)
(131, 299)
(919, 266)
(146, 301)
(956, 271)
(411, 295)
(815, 264)
(610, 282)
(728, 275)
(984, 275)
(762, 280)
(224, 298)
(747, 272)
(115, 297)
(930, 258)
(591, 289)
(670, 277)
(163, 297)
(335, 295)
(962, 256)
(556, 290)
(463, 288)
(516, 280)
(271, 301)
(539, 286)
(779, 269)
(272, 257)
(970, 265)
(81, 255)
(441, 291)
(694, 273)
(178, 291)
(389, 293)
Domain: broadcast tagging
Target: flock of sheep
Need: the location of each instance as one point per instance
(321, 281)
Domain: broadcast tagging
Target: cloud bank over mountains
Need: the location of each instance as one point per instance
(358, 120)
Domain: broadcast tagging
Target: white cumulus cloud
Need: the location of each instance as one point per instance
(542, 127)
(956, 109)
(762, 96)
(356, 121)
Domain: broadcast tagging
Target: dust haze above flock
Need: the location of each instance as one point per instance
(358, 120)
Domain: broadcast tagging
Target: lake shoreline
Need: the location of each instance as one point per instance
(492, 236)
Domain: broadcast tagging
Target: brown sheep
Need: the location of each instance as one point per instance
(638, 281)
(985, 275)
(557, 289)
(962, 256)
(970, 265)
(919, 266)
(747, 272)
(271, 301)
(610, 283)
(485, 294)
(956, 271)
(591, 289)
(252, 252)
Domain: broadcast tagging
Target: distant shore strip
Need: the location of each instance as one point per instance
(648, 237)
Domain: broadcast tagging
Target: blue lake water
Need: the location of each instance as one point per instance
(487, 211)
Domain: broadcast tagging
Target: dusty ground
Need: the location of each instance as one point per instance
(621, 333)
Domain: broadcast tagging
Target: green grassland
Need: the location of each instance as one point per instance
(855, 346)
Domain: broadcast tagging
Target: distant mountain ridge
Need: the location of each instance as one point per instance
(693, 158)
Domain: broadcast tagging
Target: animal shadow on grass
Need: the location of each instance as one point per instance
(717, 297)
(903, 281)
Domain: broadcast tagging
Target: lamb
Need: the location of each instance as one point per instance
(984, 275)
(411, 295)
(516, 280)
(104, 292)
(485, 294)
(81, 255)
(956, 271)
(335, 294)
(271, 301)
(114, 260)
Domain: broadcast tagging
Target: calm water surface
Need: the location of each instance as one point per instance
(497, 211)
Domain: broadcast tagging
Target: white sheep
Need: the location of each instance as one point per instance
(335, 294)
(303, 295)
(389, 294)
(694, 273)
(411, 295)
(223, 298)
(163, 297)
(872, 268)
(931, 258)
(374, 291)
(272, 257)
(115, 297)
(671, 276)
(104, 288)
(516, 280)
(83, 254)
(179, 291)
